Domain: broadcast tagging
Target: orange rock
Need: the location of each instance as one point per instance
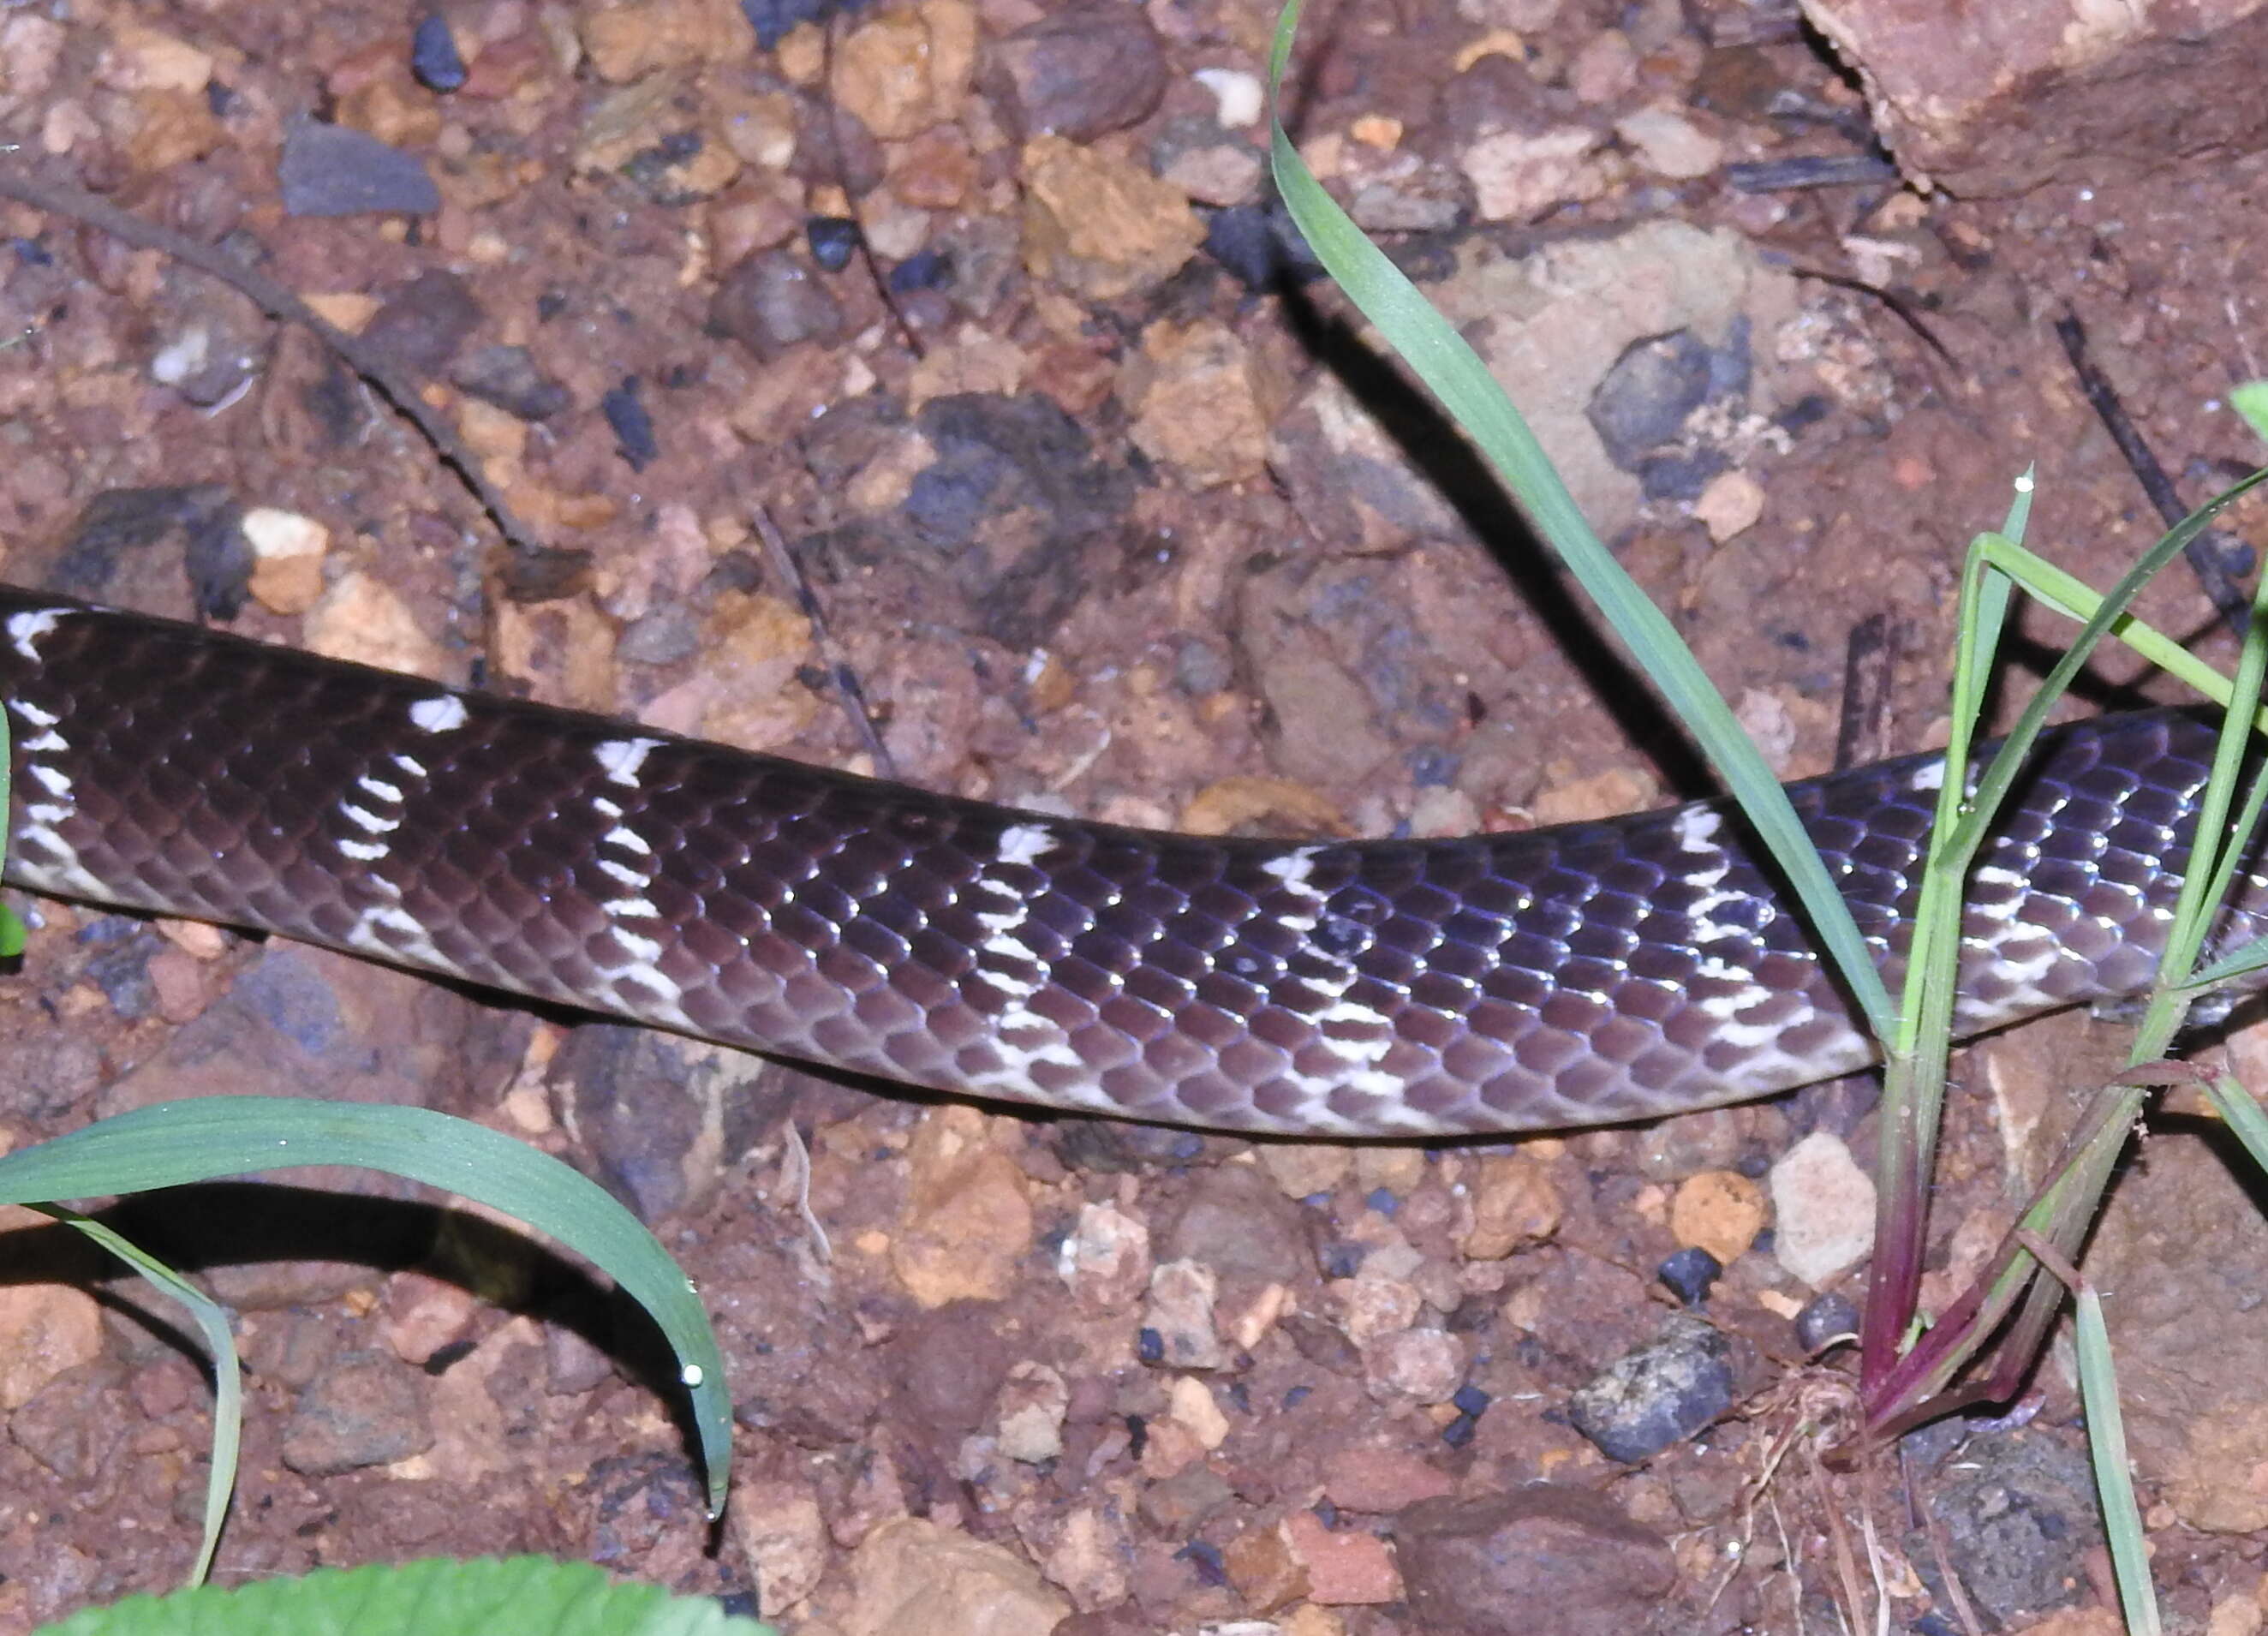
(908, 70)
(364, 620)
(1718, 1210)
(1101, 226)
(913, 1574)
(1515, 1203)
(1197, 402)
(1264, 1571)
(967, 1222)
(626, 43)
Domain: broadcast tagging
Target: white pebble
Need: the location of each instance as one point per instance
(1239, 94)
(1824, 1204)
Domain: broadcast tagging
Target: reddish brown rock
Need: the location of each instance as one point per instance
(1345, 1567)
(1542, 1561)
(1987, 100)
(1080, 73)
(1381, 1480)
(363, 1410)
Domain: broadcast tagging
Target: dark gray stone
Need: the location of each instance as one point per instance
(2019, 1515)
(336, 170)
(771, 301)
(1667, 1389)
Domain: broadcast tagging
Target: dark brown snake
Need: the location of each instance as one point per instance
(1558, 977)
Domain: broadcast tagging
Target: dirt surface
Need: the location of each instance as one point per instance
(1097, 528)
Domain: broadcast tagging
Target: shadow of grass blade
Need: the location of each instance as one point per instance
(174, 1144)
(1457, 377)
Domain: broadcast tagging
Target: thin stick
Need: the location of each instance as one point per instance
(1863, 732)
(2208, 553)
(282, 305)
(789, 572)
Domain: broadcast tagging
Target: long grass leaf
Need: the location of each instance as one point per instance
(174, 1144)
(210, 1320)
(1449, 368)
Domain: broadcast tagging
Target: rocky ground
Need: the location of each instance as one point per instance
(1111, 509)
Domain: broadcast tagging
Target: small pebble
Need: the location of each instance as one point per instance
(771, 301)
(1081, 72)
(633, 426)
(507, 376)
(1826, 1321)
(433, 56)
(1824, 1203)
(1542, 1557)
(1239, 98)
(1259, 245)
(1644, 400)
(424, 323)
(924, 270)
(1731, 504)
(1690, 1273)
(775, 19)
(833, 241)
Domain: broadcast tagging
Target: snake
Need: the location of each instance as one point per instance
(1551, 979)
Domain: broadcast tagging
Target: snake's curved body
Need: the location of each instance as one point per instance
(1559, 978)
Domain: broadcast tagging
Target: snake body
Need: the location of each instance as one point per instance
(1558, 977)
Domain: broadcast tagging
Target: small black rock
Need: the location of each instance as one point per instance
(1643, 401)
(433, 56)
(633, 426)
(1260, 246)
(1690, 1273)
(507, 376)
(833, 241)
(1828, 1320)
(924, 270)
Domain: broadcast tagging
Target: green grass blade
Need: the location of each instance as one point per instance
(1449, 369)
(2106, 1443)
(2240, 961)
(2250, 400)
(2219, 849)
(210, 1319)
(522, 1595)
(178, 1143)
(2114, 1480)
(2243, 1116)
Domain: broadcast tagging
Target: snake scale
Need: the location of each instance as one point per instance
(1558, 977)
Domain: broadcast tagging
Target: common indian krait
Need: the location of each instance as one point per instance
(1558, 977)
